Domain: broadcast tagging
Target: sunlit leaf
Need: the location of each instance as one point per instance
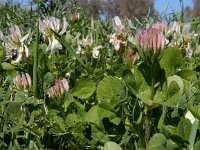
(112, 146)
(84, 88)
(171, 58)
(107, 88)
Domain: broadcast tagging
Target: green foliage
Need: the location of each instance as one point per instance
(88, 94)
(107, 88)
(84, 88)
(112, 146)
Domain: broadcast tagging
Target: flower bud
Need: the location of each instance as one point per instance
(130, 57)
(59, 89)
(75, 16)
(151, 39)
(22, 81)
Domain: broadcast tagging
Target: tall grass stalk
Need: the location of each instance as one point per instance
(35, 65)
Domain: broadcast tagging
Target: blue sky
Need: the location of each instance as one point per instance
(173, 5)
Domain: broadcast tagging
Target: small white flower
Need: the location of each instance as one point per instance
(118, 25)
(115, 41)
(87, 41)
(95, 51)
(54, 45)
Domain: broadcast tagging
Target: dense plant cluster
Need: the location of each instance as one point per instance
(72, 82)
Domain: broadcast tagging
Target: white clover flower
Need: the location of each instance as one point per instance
(84, 43)
(182, 37)
(87, 41)
(120, 36)
(115, 41)
(50, 24)
(15, 45)
(118, 24)
(95, 51)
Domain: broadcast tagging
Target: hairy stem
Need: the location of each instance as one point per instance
(35, 65)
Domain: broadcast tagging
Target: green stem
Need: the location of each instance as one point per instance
(147, 121)
(147, 127)
(152, 82)
(35, 65)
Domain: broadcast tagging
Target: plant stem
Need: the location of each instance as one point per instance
(152, 82)
(35, 65)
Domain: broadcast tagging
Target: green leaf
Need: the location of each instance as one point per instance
(184, 128)
(98, 135)
(137, 85)
(71, 120)
(107, 88)
(161, 121)
(92, 115)
(189, 75)
(145, 96)
(112, 146)
(14, 109)
(157, 142)
(171, 58)
(103, 113)
(168, 130)
(84, 88)
(8, 66)
(197, 145)
(135, 79)
(20, 96)
(175, 92)
(67, 103)
(171, 145)
(195, 110)
(197, 51)
(59, 121)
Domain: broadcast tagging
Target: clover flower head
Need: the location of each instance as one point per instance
(59, 89)
(161, 26)
(15, 44)
(47, 26)
(151, 39)
(22, 81)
